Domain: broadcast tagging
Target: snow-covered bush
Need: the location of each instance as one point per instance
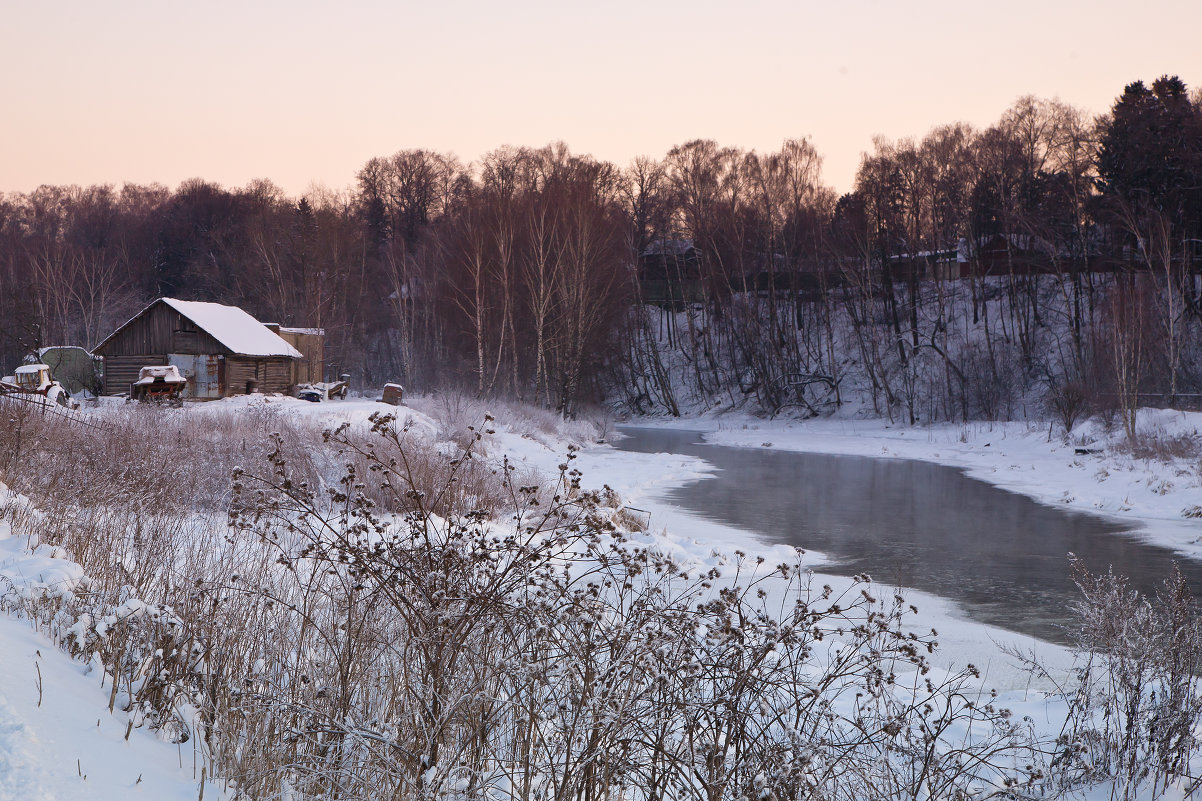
(1134, 706)
(460, 654)
(383, 616)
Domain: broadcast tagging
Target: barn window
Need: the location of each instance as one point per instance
(186, 342)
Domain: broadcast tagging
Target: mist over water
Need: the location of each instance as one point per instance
(1000, 555)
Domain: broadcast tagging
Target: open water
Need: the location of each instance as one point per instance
(1003, 557)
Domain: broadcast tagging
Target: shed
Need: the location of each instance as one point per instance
(220, 350)
(71, 366)
(311, 343)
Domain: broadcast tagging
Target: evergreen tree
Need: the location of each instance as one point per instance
(1151, 151)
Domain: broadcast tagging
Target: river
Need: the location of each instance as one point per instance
(1001, 556)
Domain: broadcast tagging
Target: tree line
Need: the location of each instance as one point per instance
(708, 276)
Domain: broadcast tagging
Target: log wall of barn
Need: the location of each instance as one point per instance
(146, 340)
(310, 369)
(269, 375)
(159, 330)
(121, 371)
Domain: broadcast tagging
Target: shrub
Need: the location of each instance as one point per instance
(1160, 446)
(1136, 702)
(548, 657)
(423, 624)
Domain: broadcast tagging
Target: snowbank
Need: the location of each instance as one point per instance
(57, 737)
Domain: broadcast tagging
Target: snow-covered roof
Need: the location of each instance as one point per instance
(321, 332)
(44, 351)
(242, 334)
(31, 368)
(668, 247)
(234, 328)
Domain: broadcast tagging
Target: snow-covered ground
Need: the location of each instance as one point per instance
(58, 740)
(46, 750)
(1029, 458)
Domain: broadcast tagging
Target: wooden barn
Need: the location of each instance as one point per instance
(221, 350)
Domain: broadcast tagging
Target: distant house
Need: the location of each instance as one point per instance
(789, 276)
(1016, 254)
(943, 264)
(996, 254)
(670, 273)
(220, 350)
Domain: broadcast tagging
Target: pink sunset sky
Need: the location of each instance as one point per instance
(301, 92)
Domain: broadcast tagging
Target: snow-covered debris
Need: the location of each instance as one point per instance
(167, 373)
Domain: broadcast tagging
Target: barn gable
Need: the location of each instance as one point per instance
(188, 326)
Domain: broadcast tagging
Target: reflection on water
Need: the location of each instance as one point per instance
(1001, 555)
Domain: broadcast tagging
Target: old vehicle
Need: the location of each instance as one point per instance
(324, 390)
(34, 382)
(162, 383)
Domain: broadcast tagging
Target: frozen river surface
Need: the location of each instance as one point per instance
(1001, 556)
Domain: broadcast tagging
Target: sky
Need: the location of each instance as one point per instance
(304, 93)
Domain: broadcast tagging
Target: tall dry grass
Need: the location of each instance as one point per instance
(364, 613)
